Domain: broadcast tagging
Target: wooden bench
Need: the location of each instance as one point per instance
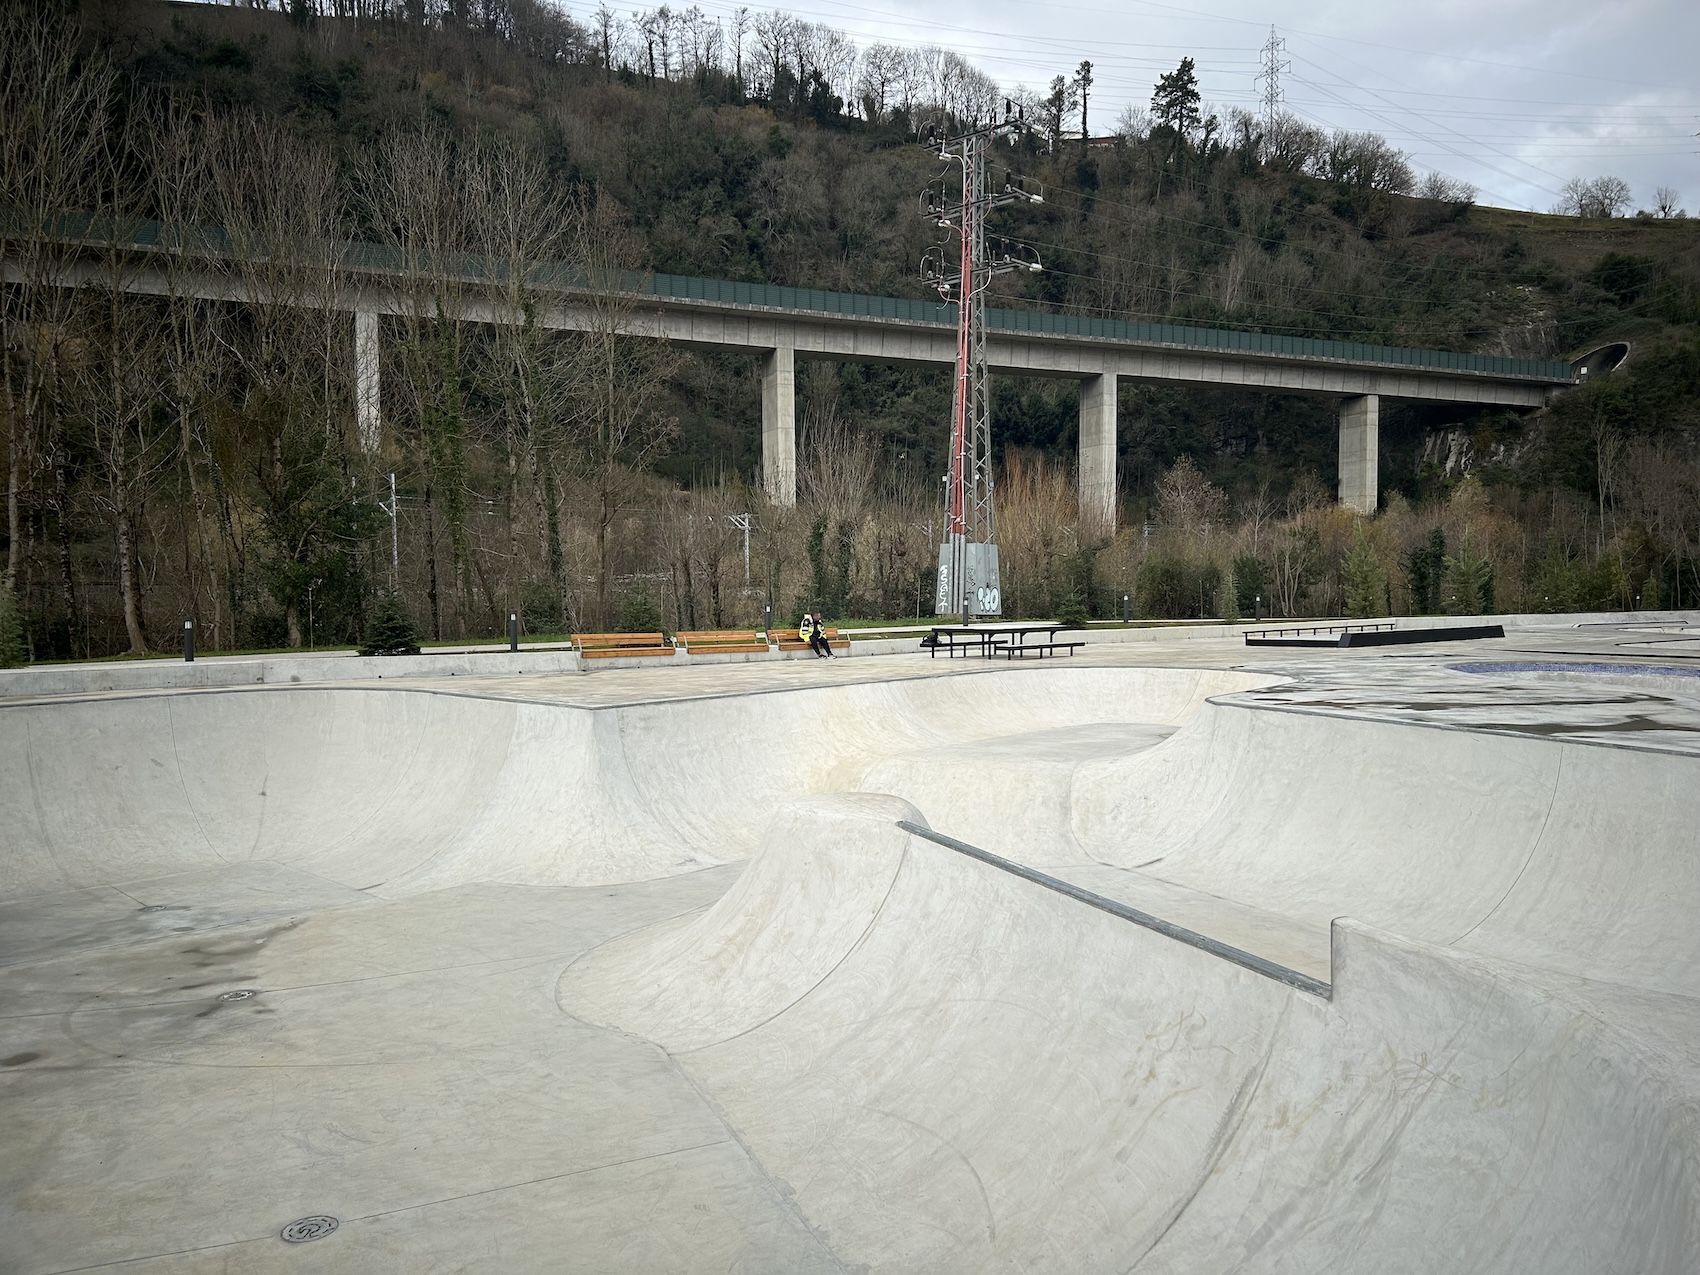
(787, 640)
(602, 646)
(723, 641)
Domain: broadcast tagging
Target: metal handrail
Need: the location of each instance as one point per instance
(1337, 627)
(1203, 942)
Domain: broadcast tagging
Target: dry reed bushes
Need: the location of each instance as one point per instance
(1038, 533)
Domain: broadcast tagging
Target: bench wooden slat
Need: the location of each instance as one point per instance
(723, 641)
(603, 646)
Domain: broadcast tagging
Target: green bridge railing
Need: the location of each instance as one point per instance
(1046, 323)
(212, 242)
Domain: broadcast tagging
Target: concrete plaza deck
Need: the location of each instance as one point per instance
(635, 970)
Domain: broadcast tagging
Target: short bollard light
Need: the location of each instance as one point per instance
(513, 630)
(188, 641)
(1124, 608)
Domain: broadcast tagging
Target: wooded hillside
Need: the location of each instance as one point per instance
(169, 457)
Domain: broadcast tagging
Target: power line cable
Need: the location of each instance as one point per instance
(1435, 142)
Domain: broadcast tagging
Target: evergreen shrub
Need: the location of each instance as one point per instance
(392, 630)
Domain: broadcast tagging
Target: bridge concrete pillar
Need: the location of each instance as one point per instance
(1097, 483)
(368, 364)
(779, 426)
(1360, 452)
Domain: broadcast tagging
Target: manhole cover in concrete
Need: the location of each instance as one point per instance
(303, 1229)
(240, 994)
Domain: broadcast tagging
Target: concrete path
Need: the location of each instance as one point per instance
(520, 1003)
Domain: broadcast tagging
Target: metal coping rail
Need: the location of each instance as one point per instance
(215, 243)
(1203, 942)
(1327, 626)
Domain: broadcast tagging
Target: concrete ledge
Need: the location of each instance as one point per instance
(217, 671)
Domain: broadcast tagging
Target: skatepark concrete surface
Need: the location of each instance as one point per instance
(1175, 956)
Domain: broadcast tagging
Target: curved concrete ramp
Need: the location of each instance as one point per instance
(376, 790)
(397, 791)
(1566, 857)
(973, 1073)
(799, 909)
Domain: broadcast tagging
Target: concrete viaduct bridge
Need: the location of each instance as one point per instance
(782, 324)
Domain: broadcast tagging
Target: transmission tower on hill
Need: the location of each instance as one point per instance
(1269, 77)
(968, 579)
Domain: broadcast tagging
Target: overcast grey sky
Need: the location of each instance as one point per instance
(1513, 96)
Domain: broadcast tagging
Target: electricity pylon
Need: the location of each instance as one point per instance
(1270, 66)
(968, 580)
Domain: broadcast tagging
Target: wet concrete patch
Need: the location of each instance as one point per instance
(390, 1057)
(127, 913)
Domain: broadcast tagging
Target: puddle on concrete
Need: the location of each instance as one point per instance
(1623, 725)
(1445, 706)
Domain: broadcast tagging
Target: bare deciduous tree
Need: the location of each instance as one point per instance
(57, 106)
(420, 190)
(1189, 503)
(617, 424)
(525, 227)
(280, 204)
(1593, 197)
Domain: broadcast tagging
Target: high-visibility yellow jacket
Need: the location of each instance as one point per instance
(806, 629)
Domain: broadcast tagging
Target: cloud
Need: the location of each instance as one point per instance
(1514, 97)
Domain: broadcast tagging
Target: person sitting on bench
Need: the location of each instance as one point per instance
(816, 632)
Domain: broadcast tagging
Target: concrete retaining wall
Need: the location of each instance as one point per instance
(142, 675)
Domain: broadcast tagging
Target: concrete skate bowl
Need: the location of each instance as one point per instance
(945, 1066)
(395, 792)
(958, 1069)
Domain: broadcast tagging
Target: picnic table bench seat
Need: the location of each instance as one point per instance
(1049, 646)
(722, 641)
(601, 646)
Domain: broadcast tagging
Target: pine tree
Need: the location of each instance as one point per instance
(14, 651)
(1650, 593)
(1250, 583)
(1424, 568)
(1175, 102)
(392, 631)
(1365, 586)
(1076, 607)
(1231, 600)
(1073, 612)
(1469, 581)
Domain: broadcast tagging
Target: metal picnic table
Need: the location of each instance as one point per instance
(989, 639)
